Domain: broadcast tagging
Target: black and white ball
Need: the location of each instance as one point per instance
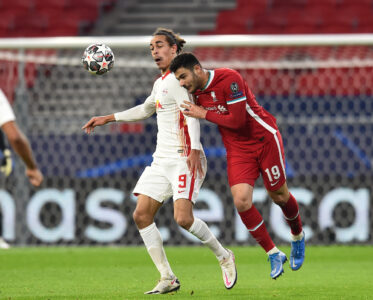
(98, 59)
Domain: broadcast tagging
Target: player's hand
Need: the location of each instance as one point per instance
(34, 176)
(192, 110)
(194, 163)
(97, 121)
(6, 164)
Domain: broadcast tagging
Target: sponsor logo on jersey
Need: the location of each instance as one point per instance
(236, 95)
(211, 108)
(158, 105)
(222, 109)
(165, 92)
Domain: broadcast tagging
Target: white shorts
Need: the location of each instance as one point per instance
(167, 177)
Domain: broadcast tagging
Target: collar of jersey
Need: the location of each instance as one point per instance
(211, 77)
(165, 74)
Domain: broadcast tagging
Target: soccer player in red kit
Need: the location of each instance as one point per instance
(254, 146)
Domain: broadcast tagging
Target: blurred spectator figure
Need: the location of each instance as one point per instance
(20, 145)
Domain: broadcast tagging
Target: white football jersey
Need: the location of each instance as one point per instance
(6, 112)
(173, 139)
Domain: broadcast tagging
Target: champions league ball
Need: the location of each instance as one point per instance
(98, 59)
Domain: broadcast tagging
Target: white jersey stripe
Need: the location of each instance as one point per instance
(259, 120)
(211, 77)
(279, 152)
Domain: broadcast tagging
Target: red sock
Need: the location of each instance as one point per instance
(292, 216)
(254, 223)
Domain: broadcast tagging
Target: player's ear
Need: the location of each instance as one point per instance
(174, 49)
(197, 68)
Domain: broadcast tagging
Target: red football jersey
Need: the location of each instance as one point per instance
(244, 125)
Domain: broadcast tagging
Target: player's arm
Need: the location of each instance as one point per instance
(236, 102)
(21, 146)
(194, 159)
(139, 112)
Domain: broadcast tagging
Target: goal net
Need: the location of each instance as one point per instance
(318, 87)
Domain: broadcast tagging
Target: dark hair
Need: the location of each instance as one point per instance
(185, 60)
(171, 37)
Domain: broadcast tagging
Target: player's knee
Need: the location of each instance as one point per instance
(142, 219)
(280, 198)
(184, 221)
(242, 203)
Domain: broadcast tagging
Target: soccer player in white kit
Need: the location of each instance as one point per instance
(20, 145)
(178, 168)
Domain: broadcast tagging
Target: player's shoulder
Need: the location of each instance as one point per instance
(226, 72)
(3, 98)
(225, 77)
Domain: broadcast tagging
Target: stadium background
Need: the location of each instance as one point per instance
(321, 96)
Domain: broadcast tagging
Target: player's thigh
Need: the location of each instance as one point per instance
(272, 163)
(243, 168)
(154, 183)
(184, 184)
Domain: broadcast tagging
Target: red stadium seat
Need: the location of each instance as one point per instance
(6, 25)
(269, 24)
(52, 4)
(19, 6)
(253, 6)
(29, 25)
(63, 26)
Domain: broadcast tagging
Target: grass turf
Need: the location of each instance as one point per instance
(335, 272)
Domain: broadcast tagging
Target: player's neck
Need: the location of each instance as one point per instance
(164, 71)
(205, 78)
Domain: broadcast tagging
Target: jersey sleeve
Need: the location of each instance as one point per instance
(6, 112)
(235, 98)
(139, 112)
(180, 95)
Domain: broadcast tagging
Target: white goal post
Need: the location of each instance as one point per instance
(237, 40)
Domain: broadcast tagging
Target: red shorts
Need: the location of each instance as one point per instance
(245, 167)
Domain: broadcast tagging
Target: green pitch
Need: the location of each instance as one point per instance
(125, 273)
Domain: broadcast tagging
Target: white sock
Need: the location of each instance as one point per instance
(297, 237)
(154, 244)
(201, 231)
(273, 250)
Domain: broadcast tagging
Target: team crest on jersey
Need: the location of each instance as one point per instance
(213, 95)
(236, 93)
(234, 87)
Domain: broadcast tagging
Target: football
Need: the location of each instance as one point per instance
(98, 59)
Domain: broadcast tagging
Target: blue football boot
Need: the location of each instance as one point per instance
(297, 254)
(277, 260)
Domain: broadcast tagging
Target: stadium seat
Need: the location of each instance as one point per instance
(289, 4)
(29, 25)
(253, 6)
(63, 26)
(6, 25)
(19, 6)
(269, 24)
(61, 5)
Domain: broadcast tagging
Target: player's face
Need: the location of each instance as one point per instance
(162, 52)
(188, 79)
